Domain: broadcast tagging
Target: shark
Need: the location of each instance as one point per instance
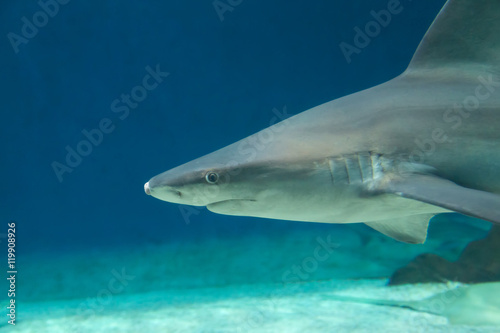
(392, 156)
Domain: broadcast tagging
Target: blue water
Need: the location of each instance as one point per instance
(225, 77)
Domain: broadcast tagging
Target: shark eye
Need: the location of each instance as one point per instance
(212, 177)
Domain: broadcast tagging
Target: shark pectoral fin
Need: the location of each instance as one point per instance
(408, 229)
(446, 194)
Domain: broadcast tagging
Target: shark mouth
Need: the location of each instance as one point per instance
(231, 206)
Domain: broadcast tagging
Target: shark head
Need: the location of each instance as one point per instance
(238, 180)
(202, 183)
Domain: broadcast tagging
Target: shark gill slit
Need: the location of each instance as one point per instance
(360, 167)
(353, 169)
(338, 170)
(366, 167)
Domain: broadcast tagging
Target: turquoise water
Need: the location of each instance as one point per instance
(259, 283)
(100, 96)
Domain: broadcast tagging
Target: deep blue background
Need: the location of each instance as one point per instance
(225, 79)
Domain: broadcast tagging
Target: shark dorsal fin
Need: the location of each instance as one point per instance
(465, 35)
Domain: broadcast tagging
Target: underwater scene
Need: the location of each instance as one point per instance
(250, 166)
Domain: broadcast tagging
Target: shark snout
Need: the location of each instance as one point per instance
(163, 192)
(146, 189)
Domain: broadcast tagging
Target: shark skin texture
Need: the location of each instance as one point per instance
(391, 156)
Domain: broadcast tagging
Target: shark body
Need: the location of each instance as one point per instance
(392, 156)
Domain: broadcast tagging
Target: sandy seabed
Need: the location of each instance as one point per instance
(248, 284)
(302, 307)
